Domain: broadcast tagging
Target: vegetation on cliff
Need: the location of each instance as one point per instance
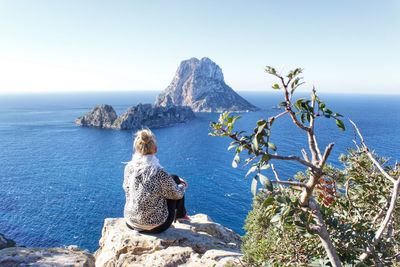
(324, 215)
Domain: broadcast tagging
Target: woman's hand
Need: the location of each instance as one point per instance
(184, 182)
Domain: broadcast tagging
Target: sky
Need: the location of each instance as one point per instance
(73, 45)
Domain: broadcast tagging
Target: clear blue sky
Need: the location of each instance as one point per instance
(344, 46)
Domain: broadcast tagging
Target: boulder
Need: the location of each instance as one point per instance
(200, 84)
(69, 256)
(5, 242)
(101, 116)
(200, 242)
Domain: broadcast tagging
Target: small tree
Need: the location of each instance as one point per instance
(305, 204)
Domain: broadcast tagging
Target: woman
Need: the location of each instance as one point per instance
(153, 198)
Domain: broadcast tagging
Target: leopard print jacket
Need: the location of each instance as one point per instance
(146, 201)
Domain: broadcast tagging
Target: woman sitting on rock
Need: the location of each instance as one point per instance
(153, 197)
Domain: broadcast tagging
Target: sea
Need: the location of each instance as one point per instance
(58, 181)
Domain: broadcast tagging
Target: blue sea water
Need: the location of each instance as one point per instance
(58, 182)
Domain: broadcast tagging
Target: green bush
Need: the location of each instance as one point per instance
(324, 216)
(352, 219)
(265, 245)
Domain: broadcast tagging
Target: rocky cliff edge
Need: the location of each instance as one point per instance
(200, 242)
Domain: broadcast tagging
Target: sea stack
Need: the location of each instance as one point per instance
(101, 116)
(200, 84)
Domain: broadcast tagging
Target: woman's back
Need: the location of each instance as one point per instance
(147, 194)
(152, 196)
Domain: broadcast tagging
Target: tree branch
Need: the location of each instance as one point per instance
(277, 116)
(276, 174)
(323, 234)
(382, 227)
(369, 154)
(317, 147)
(299, 184)
(327, 152)
(289, 104)
(293, 158)
(312, 146)
(392, 206)
(305, 156)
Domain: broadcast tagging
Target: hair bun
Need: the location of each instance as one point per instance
(145, 142)
(145, 136)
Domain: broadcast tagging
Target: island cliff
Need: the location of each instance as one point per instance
(142, 115)
(199, 242)
(200, 84)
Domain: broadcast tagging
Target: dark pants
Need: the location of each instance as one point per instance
(176, 210)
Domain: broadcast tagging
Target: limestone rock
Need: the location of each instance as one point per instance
(136, 117)
(5, 242)
(199, 242)
(200, 85)
(149, 116)
(70, 256)
(101, 116)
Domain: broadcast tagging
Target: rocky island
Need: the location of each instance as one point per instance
(200, 84)
(142, 115)
(199, 242)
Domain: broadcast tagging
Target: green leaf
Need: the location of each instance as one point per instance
(265, 181)
(337, 115)
(236, 160)
(340, 124)
(232, 146)
(272, 146)
(298, 103)
(265, 158)
(265, 167)
(303, 118)
(251, 170)
(276, 218)
(308, 117)
(254, 186)
(268, 201)
(283, 104)
(270, 70)
(255, 142)
(276, 86)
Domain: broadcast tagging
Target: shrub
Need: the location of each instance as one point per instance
(347, 215)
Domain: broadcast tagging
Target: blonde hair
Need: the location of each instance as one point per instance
(145, 142)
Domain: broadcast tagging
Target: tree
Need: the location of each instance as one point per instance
(308, 202)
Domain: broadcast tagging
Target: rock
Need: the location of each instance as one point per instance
(200, 85)
(101, 116)
(19, 256)
(142, 115)
(199, 242)
(145, 115)
(5, 242)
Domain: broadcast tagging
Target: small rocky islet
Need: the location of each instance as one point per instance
(198, 86)
(142, 115)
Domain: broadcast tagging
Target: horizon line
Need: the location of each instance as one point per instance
(154, 91)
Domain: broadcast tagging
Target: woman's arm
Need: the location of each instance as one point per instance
(125, 184)
(169, 188)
